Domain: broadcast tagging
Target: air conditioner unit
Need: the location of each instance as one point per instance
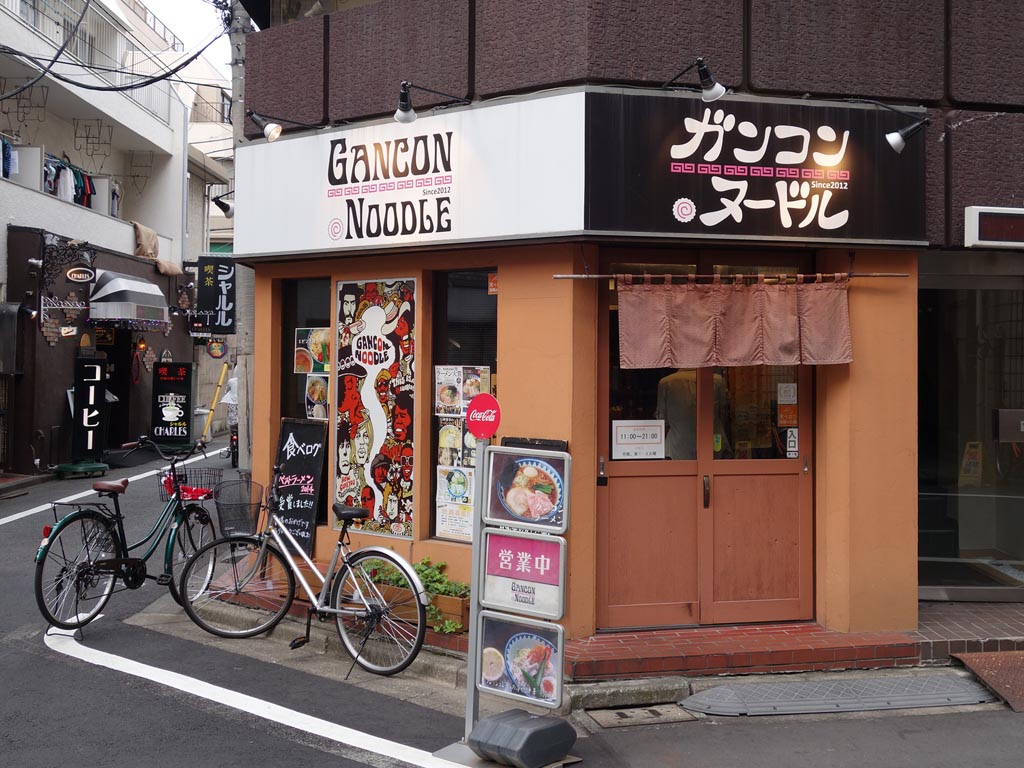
(989, 227)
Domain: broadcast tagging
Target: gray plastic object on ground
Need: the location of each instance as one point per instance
(522, 740)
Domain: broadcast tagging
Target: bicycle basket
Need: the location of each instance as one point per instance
(197, 483)
(238, 506)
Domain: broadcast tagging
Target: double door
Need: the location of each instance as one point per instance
(717, 526)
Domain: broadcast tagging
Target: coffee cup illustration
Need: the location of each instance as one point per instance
(172, 412)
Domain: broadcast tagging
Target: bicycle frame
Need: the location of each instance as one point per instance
(286, 543)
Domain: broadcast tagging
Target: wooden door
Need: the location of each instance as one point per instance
(721, 529)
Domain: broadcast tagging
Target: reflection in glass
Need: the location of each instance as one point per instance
(755, 407)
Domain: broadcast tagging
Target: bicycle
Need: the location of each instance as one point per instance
(83, 555)
(243, 584)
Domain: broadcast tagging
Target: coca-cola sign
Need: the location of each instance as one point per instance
(483, 415)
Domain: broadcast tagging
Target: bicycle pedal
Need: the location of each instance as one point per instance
(298, 642)
(163, 579)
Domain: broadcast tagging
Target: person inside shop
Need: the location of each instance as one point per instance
(677, 407)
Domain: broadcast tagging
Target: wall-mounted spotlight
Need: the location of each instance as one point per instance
(140, 344)
(228, 209)
(26, 308)
(405, 113)
(898, 139)
(710, 89)
(270, 129)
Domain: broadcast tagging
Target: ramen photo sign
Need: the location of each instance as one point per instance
(528, 489)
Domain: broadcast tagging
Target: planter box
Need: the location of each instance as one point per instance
(453, 609)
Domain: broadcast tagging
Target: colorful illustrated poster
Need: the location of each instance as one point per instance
(374, 372)
(316, 397)
(312, 350)
(520, 659)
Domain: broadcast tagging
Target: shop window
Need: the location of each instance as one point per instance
(305, 321)
(465, 356)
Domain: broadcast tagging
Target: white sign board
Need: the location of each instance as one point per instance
(638, 439)
(485, 172)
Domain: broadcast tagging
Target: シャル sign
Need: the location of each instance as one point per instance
(215, 295)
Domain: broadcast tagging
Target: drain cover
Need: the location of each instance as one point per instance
(891, 692)
(655, 714)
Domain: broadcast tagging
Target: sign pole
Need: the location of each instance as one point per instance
(472, 666)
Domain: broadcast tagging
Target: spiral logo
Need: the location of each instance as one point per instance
(684, 210)
(336, 229)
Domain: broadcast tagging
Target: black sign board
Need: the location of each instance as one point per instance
(172, 403)
(90, 409)
(752, 168)
(300, 456)
(215, 295)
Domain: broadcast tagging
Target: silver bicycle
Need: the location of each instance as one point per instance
(243, 584)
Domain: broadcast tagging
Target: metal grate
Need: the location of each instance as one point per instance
(888, 692)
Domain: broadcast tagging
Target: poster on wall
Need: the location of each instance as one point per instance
(454, 521)
(316, 397)
(456, 385)
(374, 370)
(312, 350)
(172, 403)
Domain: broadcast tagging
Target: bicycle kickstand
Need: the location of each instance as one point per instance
(301, 640)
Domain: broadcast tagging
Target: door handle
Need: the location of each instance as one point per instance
(707, 491)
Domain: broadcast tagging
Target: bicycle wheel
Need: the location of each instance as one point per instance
(385, 622)
(194, 531)
(233, 588)
(70, 591)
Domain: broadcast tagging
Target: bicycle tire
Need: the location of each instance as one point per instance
(386, 634)
(69, 591)
(228, 593)
(194, 531)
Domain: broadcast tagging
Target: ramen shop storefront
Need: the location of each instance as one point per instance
(410, 266)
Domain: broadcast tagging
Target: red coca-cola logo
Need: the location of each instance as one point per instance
(483, 416)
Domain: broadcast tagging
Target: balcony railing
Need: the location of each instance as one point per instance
(99, 42)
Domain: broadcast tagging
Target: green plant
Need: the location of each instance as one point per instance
(436, 581)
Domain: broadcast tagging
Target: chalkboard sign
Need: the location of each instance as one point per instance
(300, 456)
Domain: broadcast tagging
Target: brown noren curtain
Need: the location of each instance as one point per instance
(695, 325)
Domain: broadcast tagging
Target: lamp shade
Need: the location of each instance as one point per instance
(710, 89)
(271, 130)
(405, 113)
(898, 139)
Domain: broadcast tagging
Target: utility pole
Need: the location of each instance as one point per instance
(244, 276)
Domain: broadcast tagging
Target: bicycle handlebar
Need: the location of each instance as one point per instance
(200, 445)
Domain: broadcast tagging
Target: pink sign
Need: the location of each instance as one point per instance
(524, 559)
(483, 416)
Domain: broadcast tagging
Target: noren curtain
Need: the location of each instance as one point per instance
(695, 325)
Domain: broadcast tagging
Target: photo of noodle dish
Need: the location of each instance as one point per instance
(530, 490)
(531, 663)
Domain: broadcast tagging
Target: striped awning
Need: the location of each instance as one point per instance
(127, 298)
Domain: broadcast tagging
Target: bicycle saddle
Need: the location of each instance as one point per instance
(111, 486)
(343, 512)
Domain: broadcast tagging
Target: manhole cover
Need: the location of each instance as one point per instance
(894, 692)
(655, 714)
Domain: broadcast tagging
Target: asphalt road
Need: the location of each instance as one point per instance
(144, 686)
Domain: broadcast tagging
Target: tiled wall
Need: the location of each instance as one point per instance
(965, 67)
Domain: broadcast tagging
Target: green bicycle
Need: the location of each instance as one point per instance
(83, 555)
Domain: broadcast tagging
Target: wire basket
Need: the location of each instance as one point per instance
(197, 483)
(238, 506)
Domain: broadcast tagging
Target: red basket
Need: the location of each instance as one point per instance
(196, 483)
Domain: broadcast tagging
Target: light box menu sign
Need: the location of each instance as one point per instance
(524, 573)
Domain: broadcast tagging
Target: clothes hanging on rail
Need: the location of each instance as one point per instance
(67, 182)
(115, 198)
(9, 157)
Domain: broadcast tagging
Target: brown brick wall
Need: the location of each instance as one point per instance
(985, 51)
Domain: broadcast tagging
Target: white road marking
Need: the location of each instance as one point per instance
(63, 641)
(83, 494)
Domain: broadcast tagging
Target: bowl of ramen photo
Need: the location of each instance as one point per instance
(303, 361)
(448, 394)
(316, 391)
(319, 344)
(471, 386)
(530, 490)
(530, 664)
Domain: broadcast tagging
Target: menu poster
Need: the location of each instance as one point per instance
(316, 397)
(468, 447)
(520, 658)
(447, 390)
(312, 350)
(300, 455)
(454, 485)
(474, 381)
(455, 521)
(528, 489)
(449, 441)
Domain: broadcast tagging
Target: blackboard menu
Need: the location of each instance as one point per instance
(300, 456)
(171, 417)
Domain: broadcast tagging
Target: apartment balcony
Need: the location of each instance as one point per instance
(102, 41)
